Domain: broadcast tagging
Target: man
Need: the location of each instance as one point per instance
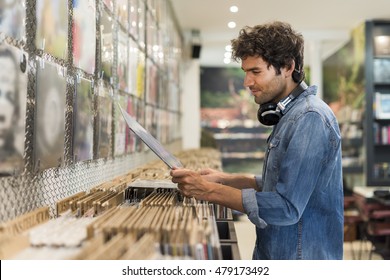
(297, 203)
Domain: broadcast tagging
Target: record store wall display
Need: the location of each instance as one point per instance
(65, 65)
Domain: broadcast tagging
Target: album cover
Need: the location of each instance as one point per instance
(132, 67)
(382, 70)
(151, 82)
(12, 19)
(133, 18)
(107, 46)
(104, 122)
(49, 130)
(122, 13)
(123, 60)
(13, 92)
(382, 105)
(140, 74)
(141, 24)
(120, 127)
(140, 118)
(52, 27)
(84, 35)
(83, 121)
(130, 136)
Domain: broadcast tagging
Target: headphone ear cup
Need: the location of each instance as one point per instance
(268, 115)
(296, 76)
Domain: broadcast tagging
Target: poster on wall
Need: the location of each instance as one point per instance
(12, 19)
(49, 130)
(84, 35)
(13, 92)
(107, 46)
(83, 121)
(52, 27)
(104, 122)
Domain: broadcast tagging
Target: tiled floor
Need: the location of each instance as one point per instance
(246, 238)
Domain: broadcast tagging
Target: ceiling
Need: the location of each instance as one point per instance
(325, 24)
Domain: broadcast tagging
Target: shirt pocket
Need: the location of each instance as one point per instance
(273, 156)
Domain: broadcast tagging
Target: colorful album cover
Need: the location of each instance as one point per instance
(104, 122)
(130, 136)
(123, 60)
(49, 131)
(140, 74)
(122, 13)
(133, 18)
(83, 121)
(84, 35)
(107, 46)
(52, 27)
(12, 18)
(120, 127)
(13, 92)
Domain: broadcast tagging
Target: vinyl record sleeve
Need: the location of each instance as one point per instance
(83, 121)
(150, 141)
(12, 19)
(52, 27)
(49, 129)
(13, 99)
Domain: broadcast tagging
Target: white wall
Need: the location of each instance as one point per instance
(191, 105)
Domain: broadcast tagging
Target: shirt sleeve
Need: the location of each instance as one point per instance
(251, 208)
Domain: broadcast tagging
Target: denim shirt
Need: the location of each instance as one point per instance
(299, 211)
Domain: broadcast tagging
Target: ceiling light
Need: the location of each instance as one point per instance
(234, 9)
(226, 60)
(232, 24)
(228, 48)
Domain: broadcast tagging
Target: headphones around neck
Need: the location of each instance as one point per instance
(270, 113)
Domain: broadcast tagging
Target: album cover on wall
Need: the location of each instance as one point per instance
(151, 82)
(121, 12)
(133, 18)
(382, 45)
(140, 73)
(12, 19)
(132, 67)
(83, 121)
(13, 92)
(107, 45)
(140, 118)
(141, 24)
(49, 130)
(52, 27)
(130, 136)
(382, 70)
(84, 35)
(104, 122)
(123, 60)
(382, 105)
(120, 127)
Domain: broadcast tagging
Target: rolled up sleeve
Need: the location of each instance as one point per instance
(251, 209)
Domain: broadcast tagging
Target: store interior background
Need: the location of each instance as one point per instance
(333, 32)
(202, 103)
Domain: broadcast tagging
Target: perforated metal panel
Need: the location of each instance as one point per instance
(31, 189)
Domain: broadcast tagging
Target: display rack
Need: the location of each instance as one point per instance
(377, 126)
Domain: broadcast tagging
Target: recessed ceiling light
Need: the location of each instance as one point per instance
(232, 24)
(226, 60)
(234, 9)
(228, 48)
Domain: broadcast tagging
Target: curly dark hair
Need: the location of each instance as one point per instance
(276, 42)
